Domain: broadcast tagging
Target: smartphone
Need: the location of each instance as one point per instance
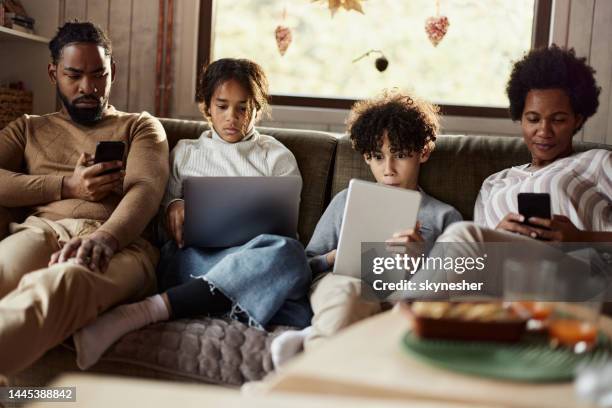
(109, 151)
(534, 205)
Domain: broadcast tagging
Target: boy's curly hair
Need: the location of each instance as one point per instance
(79, 32)
(411, 123)
(247, 73)
(554, 68)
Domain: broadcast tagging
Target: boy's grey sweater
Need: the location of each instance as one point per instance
(434, 216)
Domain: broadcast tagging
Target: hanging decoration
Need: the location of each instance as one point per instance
(381, 63)
(283, 35)
(436, 27)
(334, 5)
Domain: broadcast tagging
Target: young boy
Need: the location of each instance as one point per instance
(395, 134)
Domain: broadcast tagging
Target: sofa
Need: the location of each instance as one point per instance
(225, 352)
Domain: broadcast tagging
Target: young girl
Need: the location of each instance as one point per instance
(264, 281)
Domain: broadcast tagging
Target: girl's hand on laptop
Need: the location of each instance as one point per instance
(175, 218)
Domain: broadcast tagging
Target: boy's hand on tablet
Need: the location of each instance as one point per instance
(331, 257)
(400, 241)
(175, 218)
(402, 238)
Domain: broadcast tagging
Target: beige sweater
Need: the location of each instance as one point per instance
(36, 152)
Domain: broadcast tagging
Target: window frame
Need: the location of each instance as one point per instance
(539, 38)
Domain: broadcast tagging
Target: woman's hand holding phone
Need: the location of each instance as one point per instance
(558, 229)
(515, 223)
(175, 218)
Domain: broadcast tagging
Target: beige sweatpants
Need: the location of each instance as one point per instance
(336, 303)
(40, 306)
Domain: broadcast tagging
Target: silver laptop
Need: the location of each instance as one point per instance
(222, 212)
(373, 213)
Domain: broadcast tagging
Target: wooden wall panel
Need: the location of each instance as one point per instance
(560, 22)
(75, 9)
(97, 12)
(143, 56)
(597, 129)
(579, 33)
(609, 115)
(580, 26)
(184, 55)
(120, 31)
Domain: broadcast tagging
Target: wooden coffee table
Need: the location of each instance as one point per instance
(97, 391)
(366, 360)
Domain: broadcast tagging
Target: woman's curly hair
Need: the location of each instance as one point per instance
(554, 68)
(411, 124)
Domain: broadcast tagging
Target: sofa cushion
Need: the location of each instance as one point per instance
(314, 152)
(210, 350)
(456, 169)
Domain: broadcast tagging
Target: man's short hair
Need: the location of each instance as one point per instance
(411, 124)
(79, 32)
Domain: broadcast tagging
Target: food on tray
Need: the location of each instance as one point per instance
(480, 321)
(534, 310)
(482, 312)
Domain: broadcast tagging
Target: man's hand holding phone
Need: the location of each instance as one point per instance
(88, 182)
(175, 218)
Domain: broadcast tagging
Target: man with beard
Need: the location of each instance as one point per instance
(80, 249)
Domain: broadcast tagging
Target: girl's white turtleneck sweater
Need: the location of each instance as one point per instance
(210, 155)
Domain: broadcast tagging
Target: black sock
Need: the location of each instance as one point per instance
(195, 298)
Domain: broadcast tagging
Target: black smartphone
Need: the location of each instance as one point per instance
(534, 205)
(109, 151)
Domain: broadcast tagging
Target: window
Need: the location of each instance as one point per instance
(466, 73)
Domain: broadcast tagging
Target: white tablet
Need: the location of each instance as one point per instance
(373, 213)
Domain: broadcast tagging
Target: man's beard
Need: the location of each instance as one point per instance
(83, 116)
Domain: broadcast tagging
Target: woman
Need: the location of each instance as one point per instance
(552, 93)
